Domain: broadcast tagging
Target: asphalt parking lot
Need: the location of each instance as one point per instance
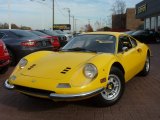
(141, 101)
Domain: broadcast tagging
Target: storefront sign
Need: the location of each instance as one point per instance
(62, 27)
(142, 9)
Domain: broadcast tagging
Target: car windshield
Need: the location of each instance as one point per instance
(38, 33)
(50, 32)
(92, 43)
(129, 32)
(59, 32)
(138, 32)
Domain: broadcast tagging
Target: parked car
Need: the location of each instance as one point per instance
(76, 34)
(62, 38)
(4, 58)
(21, 43)
(129, 32)
(96, 65)
(146, 36)
(68, 35)
(54, 39)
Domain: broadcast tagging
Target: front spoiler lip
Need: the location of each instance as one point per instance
(62, 97)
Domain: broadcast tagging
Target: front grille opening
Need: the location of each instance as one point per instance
(33, 90)
(63, 85)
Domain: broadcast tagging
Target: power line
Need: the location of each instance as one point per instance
(60, 11)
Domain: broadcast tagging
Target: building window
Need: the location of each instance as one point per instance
(153, 22)
(158, 21)
(147, 22)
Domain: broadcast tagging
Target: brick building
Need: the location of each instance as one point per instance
(119, 22)
(131, 22)
(126, 21)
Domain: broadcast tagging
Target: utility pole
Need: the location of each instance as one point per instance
(73, 22)
(53, 16)
(9, 14)
(76, 25)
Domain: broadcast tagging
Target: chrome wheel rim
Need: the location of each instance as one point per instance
(113, 88)
(147, 64)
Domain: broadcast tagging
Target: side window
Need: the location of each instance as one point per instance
(124, 41)
(134, 42)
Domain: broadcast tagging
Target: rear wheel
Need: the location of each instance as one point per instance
(114, 89)
(157, 40)
(146, 67)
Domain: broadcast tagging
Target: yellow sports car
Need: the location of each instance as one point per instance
(96, 65)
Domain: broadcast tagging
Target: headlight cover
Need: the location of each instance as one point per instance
(22, 63)
(90, 71)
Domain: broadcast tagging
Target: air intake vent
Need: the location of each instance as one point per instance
(66, 70)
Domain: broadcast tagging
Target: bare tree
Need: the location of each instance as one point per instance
(88, 28)
(97, 25)
(109, 21)
(118, 14)
(118, 7)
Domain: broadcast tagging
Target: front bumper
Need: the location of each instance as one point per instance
(57, 97)
(65, 97)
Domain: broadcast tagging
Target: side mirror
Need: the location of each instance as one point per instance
(125, 49)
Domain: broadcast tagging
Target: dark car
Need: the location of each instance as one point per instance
(129, 32)
(54, 39)
(4, 58)
(146, 36)
(62, 38)
(21, 43)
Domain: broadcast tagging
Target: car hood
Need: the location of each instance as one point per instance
(56, 65)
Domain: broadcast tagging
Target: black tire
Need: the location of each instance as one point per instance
(102, 100)
(157, 40)
(146, 68)
(12, 58)
(4, 69)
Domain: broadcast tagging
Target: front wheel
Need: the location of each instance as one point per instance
(114, 89)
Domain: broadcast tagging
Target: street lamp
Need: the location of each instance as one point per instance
(76, 25)
(68, 13)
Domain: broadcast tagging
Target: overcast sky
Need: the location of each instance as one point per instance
(38, 13)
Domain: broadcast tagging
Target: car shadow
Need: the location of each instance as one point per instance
(15, 100)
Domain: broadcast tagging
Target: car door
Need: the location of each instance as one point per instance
(130, 56)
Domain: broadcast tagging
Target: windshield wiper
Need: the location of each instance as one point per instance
(79, 49)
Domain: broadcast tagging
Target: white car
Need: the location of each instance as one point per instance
(68, 35)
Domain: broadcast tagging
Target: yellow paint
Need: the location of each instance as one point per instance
(47, 74)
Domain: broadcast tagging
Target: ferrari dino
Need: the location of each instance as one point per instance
(93, 65)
